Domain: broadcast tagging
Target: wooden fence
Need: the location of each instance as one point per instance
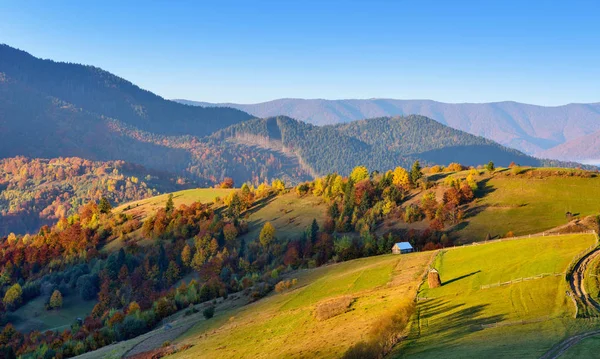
(519, 280)
(543, 234)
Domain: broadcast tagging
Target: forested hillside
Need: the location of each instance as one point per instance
(35, 192)
(380, 144)
(102, 93)
(532, 129)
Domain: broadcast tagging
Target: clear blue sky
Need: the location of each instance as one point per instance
(542, 52)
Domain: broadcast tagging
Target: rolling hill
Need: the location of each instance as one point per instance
(529, 128)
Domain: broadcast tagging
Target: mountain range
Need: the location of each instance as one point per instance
(566, 132)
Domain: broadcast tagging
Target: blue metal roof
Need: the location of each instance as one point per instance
(403, 245)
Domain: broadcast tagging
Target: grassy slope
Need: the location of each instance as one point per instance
(587, 348)
(147, 206)
(34, 316)
(451, 323)
(288, 213)
(530, 205)
(283, 325)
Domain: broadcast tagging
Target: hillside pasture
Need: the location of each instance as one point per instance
(460, 319)
(285, 325)
(142, 208)
(34, 316)
(288, 213)
(527, 204)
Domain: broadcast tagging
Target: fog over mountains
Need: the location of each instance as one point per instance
(566, 132)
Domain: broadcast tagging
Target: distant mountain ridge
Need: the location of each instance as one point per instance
(380, 143)
(52, 109)
(532, 129)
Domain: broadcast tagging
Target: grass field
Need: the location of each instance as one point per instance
(284, 326)
(289, 214)
(517, 320)
(526, 205)
(147, 206)
(587, 348)
(591, 279)
(34, 316)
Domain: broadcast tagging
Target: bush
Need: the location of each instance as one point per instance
(285, 284)
(333, 307)
(385, 334)
(209, 312)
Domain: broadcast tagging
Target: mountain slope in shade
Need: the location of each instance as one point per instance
(50, 109)
(380, 144)
(528, 128)
(102, 93)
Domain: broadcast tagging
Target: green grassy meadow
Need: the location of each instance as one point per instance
(284, 326)
(587, 348)
(517, 320)
(34, 316)
(527, 205)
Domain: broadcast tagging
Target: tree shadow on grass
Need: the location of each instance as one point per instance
(484, 189)
(444, 322)
(459, 278)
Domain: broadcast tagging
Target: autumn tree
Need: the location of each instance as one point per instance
(401, 178)
(186, 255)
(13, 296)
(278, 186)
(267, 234)
(359, 173)
(490, 166)
(227, 183)
(56, 300)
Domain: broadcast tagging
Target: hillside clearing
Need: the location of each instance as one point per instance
(142, 208)
(288, 213)
(34, 316)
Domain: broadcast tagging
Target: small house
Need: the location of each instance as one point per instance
(401, 248)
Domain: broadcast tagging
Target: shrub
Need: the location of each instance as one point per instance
(385, 334)
(209, 312)
(285, 284)
(333, 307)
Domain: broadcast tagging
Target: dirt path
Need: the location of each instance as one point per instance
(563, 346)
(591, 307)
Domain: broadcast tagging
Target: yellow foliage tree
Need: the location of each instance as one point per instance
(278, 185)
(319, 187)
(401, 178)
(12, 297)
(359, 173)
(267, 234)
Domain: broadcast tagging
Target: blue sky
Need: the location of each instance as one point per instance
(542, 52)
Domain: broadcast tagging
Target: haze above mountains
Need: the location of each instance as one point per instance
(570, 132)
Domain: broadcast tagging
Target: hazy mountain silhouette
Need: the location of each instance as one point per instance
(529, 128)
